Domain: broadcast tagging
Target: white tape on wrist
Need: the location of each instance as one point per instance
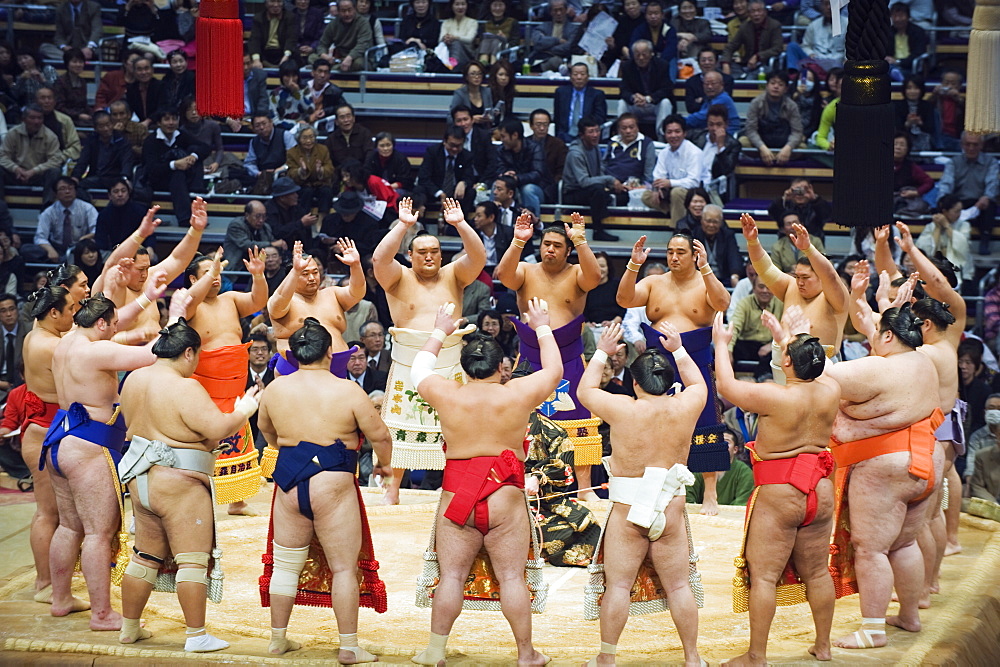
(542, 331)
(423, 367)
(143, 301)
(680, 353)
(245, 405)
(439, 335)
(600, 357)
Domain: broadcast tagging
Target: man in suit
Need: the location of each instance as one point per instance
(173, 161)
(553, 149)
(373, 340)
(477, 141)
(553, 40)
(77, 26)
(621, 376)
(106, 157)
(446, 171)
(985, 480)
(143, 95)
(12, 333)
(646, 87)
(254, 88)
(496, 237)
(368, 378)
(259, 375)
(577, 100)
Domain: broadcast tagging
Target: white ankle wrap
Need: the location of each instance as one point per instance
(610, 649)
(288, 564)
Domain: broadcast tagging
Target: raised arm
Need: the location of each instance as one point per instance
(105, 355)
(629, 294)
(833, 287)
(776, 281)
(589, 275)
(716, 293)
(860, 312)
(201, 287)
(509, 270)
(248, 303)
(883, 253)
(536, 387)
(387, 270)
(182, 254)
(281, 300)
(603, 404)
(935, 284)
(751, 396)
(695, 390)
(471, 264)
(349, 296)
(127, 248)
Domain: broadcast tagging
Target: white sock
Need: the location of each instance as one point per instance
(199, 641)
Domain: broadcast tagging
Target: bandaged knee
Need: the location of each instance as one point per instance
(288, 564)
(142, 571)
(194, 575)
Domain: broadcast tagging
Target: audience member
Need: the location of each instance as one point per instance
(808, 99)
(273, 35)
(984, 439)
(909, 43)
(267, 154)
(71, 89)
(720, 153)
(12, 333)
(585, 180)
(499, 31)
(458, 32)
(720, 244)
(350, 220)
(910, 181)
(204, 130)
(773, 121)
(503, 86)
(248, 231)
(678, 169)
(631, 157)
(949, 235)
(381, 201)
(740, 15)
(120, 217)
(323, 97)
(693, 32)
(800, 198)
(602, 308)
(828, 119)
(474, 94)
(345, 39)
(61, 225)
(783, 253)
(174, 161)
(694, 89)
(478, 141)
(121, 121)
(504, 189)
(309, 25)
(916, 115)
(59, 123)
(106, 157)
(274, 268)
(419, 27)
(733, 486)
(953, 12)
(308, 165)
(496, 237)
(491, 321)
(11, 265)
(991, 318)
(255, 100)
(350, 140)
(522, 161)
(78, 25)
(577, 100)
(694, 203)
(369, 379)
(289, 220)
(646, 87)
(373, 340)
(658, 32)
(947, 98)
(973, 177)
(553, 148)
(715, 94)
(390, 165)
(552, 41)
(752, 340)
(87, 256)
(178, 82)
(975, 382)
(30, 154)
(446, 171)
(115, 82)
(34, 74)
(143, 94)
(819, 45)
(759, 39)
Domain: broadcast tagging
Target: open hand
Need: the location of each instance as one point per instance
(149, 222)
(721, 333)
(538, 313)
(155, 285)
(800, 237)
(861, 278)
(639, 251)
(671, 338)
(609, 341)
(179, 302)
(444, 320)
(255, 264)
(905, 293)
(905, 238)
(524, 227)
(218, 264)
(577, 233)
(199, 214)
(772, 324)
(406, 215)
(349, 254)
(299, 260)
(453, 213)
(750, 232)
(700, 255)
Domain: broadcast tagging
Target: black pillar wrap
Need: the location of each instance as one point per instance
(863, 172)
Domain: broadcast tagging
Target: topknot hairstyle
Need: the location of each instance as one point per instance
(176, 338)
(653, 372)
(64, 275)
(935, 311)
(97, 307)
(808, 357)
(904, 324)
(481, 355)
(47, 298)
(311, 342)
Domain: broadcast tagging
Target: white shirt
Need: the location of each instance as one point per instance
(708, 154)
(491, 246)
(682, 167)
(360, 379)
(630, 323)
(743, 288)
(257, 377)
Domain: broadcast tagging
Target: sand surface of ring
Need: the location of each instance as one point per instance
(400, 535)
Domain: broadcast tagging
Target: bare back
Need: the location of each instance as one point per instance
(315, 406)
(652, 431)
(217, 321)
(462, 425)
(39, 346)
(944, 356)
(76, 379)
(413, 301)
(825, 323)
(683, 303)
(173, 397)
(883, 394)
(561, 290)
(324, 306)
(799, 419)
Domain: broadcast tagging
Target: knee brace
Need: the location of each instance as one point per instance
(288, 564)
(195, 575)
(142, 571)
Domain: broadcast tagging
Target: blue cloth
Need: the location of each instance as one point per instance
(286, 365)
(297, 465)
(77, 422)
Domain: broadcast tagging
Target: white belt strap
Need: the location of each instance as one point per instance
(649, 495)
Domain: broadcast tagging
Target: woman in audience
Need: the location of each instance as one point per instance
(290, 105)
(976, 379)
(71, 89)
(178, 83)
(378, 194)
(828, 119)
(500, 30)
(491, 322)
(365, 11)
(114, 83)
(309, 165)
(120, 217)
(419, 27)
(34, 74)
(473, 94)
(11, 266)
(950, 236)
(205, 130)
(916, 115)
(390, 165)
(695, 202)
(88, 258)
(910, 182)
(459, 32)
(503, 89)
(810, 102)
(693, 32)
(602, 309)
(8, 64)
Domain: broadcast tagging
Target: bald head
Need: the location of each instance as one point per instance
(712, 82)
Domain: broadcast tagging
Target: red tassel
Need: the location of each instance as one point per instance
(219, 76)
